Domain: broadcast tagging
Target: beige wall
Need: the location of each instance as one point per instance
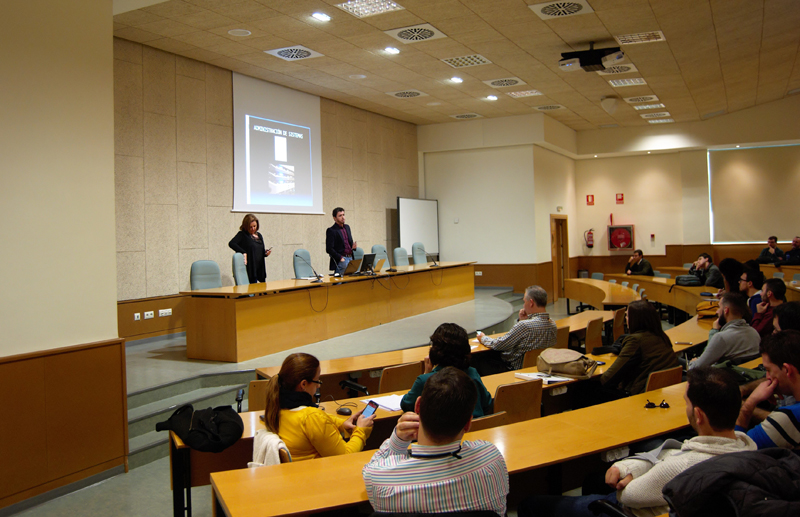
(554, 186)
(174, 175)
(57, 192)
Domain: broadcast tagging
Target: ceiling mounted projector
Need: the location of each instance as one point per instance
(591, 60)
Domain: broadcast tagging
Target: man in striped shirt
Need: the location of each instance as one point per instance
(439, 473)
(780, 353)
(534, 329)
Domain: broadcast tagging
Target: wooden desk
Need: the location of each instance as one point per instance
(769, 271)
(335, 370)
(598, 293)
(657, 289)
(673, 271)
(277, 490)
(244, 322)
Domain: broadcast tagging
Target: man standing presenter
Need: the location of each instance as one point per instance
(339, 243)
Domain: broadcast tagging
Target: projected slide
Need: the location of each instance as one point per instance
(276, 149)
(278, 163)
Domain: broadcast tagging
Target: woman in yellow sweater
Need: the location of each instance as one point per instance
(306, 430)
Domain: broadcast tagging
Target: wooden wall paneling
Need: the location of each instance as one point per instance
(517, 276)
(129, 328)
(23, 441)
(85, 418)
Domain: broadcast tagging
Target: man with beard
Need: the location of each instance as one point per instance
(731, 337)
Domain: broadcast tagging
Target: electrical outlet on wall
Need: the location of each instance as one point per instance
(137, 316)
(478, 273)
(164, 312)
(148, 315)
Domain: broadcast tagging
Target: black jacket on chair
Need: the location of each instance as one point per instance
(334, 243)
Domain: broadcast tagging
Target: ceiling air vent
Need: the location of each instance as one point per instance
(506, 82)
(641, 98)
(466, 61)
(551, 10)
(526, 93)
(295, 53)
(660, 114)
(550, 107)
(712, 114)
(407, 94)
(640, 37)
(466, 116)
(618, 69)
(415, 33)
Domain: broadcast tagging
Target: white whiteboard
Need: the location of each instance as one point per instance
(419, 222)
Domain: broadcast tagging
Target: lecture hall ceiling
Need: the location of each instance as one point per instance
(718, 56)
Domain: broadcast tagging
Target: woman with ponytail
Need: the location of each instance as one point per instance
(307, 431)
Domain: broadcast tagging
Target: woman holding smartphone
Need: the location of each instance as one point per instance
(250, 243)
(307, 431)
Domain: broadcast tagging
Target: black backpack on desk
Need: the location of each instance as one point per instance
(205, 430)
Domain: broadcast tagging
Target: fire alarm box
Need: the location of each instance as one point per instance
(620, 237)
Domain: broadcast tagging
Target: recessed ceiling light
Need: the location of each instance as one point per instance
(640, 37)
(239, 32)
(616, 83)
(364, 8)
(391, 50)
(649, 106)
(358, 76)
(648, 152)
(595, 156)
(661, 121)
(434, 104)
(737, 146)
(491, 98)
(793, 92)
(526, 93)
(321, 17)
(456, 80)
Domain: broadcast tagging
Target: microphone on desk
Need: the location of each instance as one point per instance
(316, 275)
(432, 259)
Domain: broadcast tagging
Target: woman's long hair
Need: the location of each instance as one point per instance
(643, 317)
(295, 369)
(450, 347)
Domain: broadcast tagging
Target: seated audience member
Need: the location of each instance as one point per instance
(731, 337)
(637, 265)
(708, 273)
(792, 257)
(439, 473)
(786, 316)
(449, 347)
(307, 431)
(773, 293)
(534, 329)
(712, 405)
(645, 349)
(780, 354)
(731, 270)
(750, 284)
(772, 254)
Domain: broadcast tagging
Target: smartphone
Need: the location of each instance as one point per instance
(601, 363)
(370, 409)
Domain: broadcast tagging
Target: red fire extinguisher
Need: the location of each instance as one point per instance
(588, 236)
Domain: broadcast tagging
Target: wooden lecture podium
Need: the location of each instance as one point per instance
(243, 322)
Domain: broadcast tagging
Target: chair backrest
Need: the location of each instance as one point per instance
(635, 287)
(656, 272)
(302, 269)
(619, 323)
(562, 337)
(205, 275)
(662, 275)
(624, 284)
(664, 378)
(521, 400)
(612, 281)
(529, 360)
(239, 270)
(283, 454)
(594, 334)
(778, 274)
(597, 276)
(418, 253)
(688, 265)
(358, 253)
(641, 294)
(257, 395)
(380, 253)
(400, 377)
(489, 421)
(796, 277)
(400, 257)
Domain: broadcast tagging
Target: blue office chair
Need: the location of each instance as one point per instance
(418, 253)
(656, 272)
(205, 275)
(240, 270)
(688, 265)
(380, 254)
(624, 284)
(612, 281)
(779, 274)
(400, 257)
(597, 276)
(358, 253)
(302, 269)
(796, 277)
(635, 287)
(662, 275)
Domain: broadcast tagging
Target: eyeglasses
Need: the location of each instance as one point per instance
(651, 405)
(743, 280)
(316, 382)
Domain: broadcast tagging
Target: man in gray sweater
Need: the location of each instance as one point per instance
(731, 336)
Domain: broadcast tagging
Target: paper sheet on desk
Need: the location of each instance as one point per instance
(389, 402)
(544, 376)
(473, 347)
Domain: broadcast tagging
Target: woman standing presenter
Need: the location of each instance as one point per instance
(250, 243)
